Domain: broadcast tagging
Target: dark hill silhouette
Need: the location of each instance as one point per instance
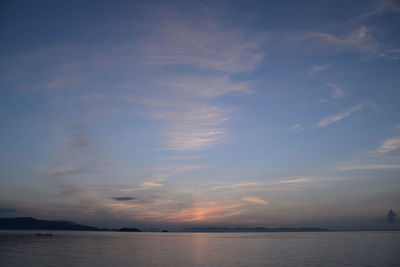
(129, 230)
(28, 223)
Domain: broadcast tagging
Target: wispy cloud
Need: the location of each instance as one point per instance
(187, 120)
(389, 145)
(193, 128)
(55, 67)
(255, 200)
(184, 104)
(337, 117)
(79, 156)
(299, 180)
(220, 52)
(204, 42)
(239, 185)
(337, 92)
(318, 68)
(154, 181)
(382, 6)
(369, 167)
(260, 184)
(150, 184)
(188, 157)
(296, 127)
(207, 87)
(90, 198)
(360, 40)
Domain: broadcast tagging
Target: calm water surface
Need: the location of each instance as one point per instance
(200, 249)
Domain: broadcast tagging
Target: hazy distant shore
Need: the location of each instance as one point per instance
(28, 223)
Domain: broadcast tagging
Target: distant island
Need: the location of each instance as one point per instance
(129, 230)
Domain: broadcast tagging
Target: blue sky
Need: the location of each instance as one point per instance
(256, 113)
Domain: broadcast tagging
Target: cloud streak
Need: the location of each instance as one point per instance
(296, 127)
(155, 182)
(207, 87)
(299, 180)
(360, 40)
(337, 92)
(389, 145)
(261, 184)
(337, 117)
(318, 68)
(255, 200)
(382, 6)
(369, 167)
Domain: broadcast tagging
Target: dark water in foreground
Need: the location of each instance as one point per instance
(200, 249)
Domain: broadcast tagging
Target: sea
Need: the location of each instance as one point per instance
(76, 248)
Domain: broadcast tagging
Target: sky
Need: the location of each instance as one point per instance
(200, 113)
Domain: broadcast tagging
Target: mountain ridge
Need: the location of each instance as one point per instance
(29, 223)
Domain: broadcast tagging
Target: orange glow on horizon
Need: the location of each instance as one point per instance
(199, 212)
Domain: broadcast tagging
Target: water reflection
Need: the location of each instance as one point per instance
(200, 249)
